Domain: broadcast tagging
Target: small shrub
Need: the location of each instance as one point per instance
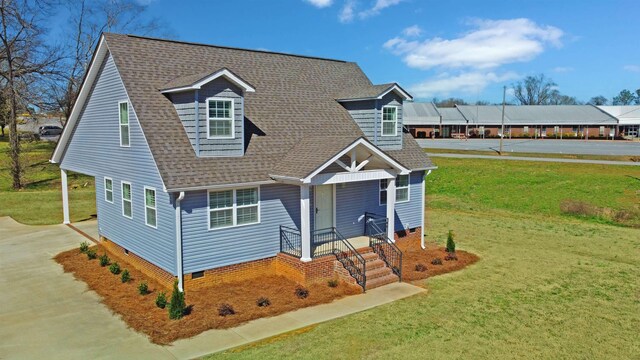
(125, 276)
(177, 306)
(332, 283)
(104, 260)
(91, 254)
(263, 302)
(421, 268)
(161, 300)
(436, 261)
(226, 309)
(84, 246)
(451, 256)
(301, 292)
(114, 268)
(143, 288)
(451, 245)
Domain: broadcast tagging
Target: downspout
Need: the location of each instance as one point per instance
(375, 129)
(179, 267)
(197, 118)
(424, 196)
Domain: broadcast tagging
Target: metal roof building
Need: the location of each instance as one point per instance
(626, 114)
(420, 114)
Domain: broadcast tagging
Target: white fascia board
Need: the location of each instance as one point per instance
(222, 186)
(361, 141)
(85, 89)
(346, 177)
(222, 73)
(398, 90)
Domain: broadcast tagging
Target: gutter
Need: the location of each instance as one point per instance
(179, 265)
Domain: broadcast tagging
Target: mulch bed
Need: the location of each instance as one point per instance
(413, 254)
(141, 314)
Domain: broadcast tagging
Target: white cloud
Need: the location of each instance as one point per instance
(490, 44)
(631, 68)
(377, 7)
(562, 69)
(412, 31)
(467, 82)
(347, 12)
(320, 3)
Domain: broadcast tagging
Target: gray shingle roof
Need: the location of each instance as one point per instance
(294, 101)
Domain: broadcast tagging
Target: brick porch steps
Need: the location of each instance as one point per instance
(378, 273)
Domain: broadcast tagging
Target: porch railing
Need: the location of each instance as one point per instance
(330, 241)
(290, 241)
(383, 246)
(380, 221)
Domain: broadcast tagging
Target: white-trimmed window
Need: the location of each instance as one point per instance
(108, 190)
(220, 118)
(123, 115)
(234, 207)
(150, 210)
(389, 121)
(601, 131)
(402, 189)
(127, 205)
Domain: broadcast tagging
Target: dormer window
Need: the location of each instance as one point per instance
(220, 118)
(389, 121)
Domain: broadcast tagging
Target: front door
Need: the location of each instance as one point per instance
(324, 207)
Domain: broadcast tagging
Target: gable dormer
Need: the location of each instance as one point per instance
(377, 110)
(211, 109)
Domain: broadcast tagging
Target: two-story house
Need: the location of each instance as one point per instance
(213, 163)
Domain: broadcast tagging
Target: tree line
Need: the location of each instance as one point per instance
(37, 73)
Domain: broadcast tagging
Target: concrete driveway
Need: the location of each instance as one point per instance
(48, 314)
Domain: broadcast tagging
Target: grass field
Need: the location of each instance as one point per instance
(40, 201)
(547, 285)
(631, 158)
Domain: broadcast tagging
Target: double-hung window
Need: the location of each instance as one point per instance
(150, 211)
(127, 205)
(219, 118)
(402, 189)
(123, 114)
(234, 207)
(108, 190)
(389, 121)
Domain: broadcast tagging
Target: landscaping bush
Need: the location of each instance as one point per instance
(177, 306)
(420, 267)
(301, 292)
(436, 261)
(84, 246)
(125, 277)
(451, 256)
(161, 300)
(143, 288)
(226, 309)
(263, 302)
(332, 283)
(91, 254)
(451, 245)
(104, 260)
(114, 268)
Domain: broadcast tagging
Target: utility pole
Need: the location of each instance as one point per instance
(504, 94)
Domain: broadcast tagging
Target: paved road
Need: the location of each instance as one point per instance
(523, 158)
(588, 147)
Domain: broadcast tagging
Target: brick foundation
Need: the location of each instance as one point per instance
(231, 273)
(412, 234)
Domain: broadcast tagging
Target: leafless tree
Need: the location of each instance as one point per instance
(25, 58)
(598, 100)
(534, 90)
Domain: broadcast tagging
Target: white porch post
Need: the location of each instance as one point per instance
(391, 207)
(305, 223)
(65, 197)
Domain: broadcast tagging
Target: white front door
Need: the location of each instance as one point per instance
(324, 207)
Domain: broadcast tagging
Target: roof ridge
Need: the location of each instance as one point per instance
(231, 48)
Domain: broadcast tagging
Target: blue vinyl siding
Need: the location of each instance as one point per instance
(95, 150)
(368, 115)
(206, 249)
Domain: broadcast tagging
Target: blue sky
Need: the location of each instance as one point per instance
(466, 49)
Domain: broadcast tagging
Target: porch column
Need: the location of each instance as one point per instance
(391, 207)
(305, 223)
(65, 197)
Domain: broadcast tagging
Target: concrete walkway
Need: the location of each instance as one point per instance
(524, 158)
(48, 314)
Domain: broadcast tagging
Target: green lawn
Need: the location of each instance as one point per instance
(547, 285)
(40, 202)
(631, 158)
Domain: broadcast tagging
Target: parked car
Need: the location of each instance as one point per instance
(50, 130)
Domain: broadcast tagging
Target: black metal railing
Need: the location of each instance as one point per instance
(330, 241)
(290, 241)
(380, 221)
(385, 248)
